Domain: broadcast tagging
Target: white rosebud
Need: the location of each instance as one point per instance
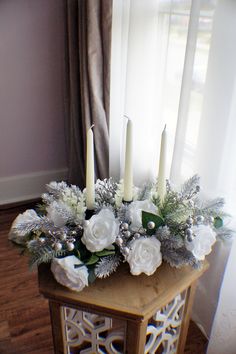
(66, 274)
(202, 243)
(28, 217)
(57, 217)
(101, 231)
(135, 212)
(145, 255)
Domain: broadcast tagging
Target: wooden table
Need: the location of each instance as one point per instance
(122, 313)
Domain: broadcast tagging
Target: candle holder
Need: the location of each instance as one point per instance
(127, 202)
(89, 213)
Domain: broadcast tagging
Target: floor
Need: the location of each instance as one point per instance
(24, 316)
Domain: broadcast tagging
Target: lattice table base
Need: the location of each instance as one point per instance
(123, 313)
(163, 329)
(90, 333)
(85, 332)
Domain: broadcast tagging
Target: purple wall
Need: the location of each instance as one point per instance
(31, 86)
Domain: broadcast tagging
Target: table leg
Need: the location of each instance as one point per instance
(186, 317)
(136, 337)
(55, 314)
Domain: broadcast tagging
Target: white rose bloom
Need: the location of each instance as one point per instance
(100, 231)
(202, 242)
(28, 217)
(54, 213)
(66, 274)
(135, 212)
(145, 255)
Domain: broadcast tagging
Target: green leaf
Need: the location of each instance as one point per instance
(105, 253)
(92, 260)
(79, 265)
(146, 217)
(92, 276)
(218, 222)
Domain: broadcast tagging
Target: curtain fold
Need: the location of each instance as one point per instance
(88, 43)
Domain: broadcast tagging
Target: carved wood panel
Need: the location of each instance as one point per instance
(164, 327)
(85, 333)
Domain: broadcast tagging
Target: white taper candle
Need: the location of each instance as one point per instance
(161, 182)
(128, 175)
(90, 190)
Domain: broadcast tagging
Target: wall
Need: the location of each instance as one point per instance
(32, 138)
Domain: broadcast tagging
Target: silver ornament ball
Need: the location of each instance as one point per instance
(125, 226)
(126, 251)
(200, 219)
(127, 234)
(188, 232)
(137, 235)
(189, 221)
(57, 246)
(190, 238)
(70, 246)
(119, 241)
(109, 195)
(151, 225)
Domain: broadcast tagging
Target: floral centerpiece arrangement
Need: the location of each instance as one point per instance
(87, 234)
(83, 245)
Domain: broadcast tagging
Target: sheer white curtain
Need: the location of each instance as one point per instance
(174, 63)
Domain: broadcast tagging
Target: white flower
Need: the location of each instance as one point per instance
(59, 213)
(100, 231)
(202, 243)
(145, 255)
(75, 200)
(135, 212)
(66, 274)
(27, 218)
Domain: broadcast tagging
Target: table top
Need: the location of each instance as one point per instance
(123, 294)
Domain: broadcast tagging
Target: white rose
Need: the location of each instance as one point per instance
(145, 255)
(66, 274)
(100, 231)
(58, 213)
(28, 217)
(135, 212)
(202, 242)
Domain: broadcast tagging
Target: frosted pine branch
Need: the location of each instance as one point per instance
(106, 266)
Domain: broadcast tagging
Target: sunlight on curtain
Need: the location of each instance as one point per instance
(173, 62)
(149, 66)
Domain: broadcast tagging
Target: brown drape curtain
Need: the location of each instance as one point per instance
(87, 58)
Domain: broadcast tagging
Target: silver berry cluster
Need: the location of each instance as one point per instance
(127, 236)
(61, 239)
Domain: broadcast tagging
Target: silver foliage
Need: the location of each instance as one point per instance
(39, 223)
(190, 187)
(105, 192)
(56, 188)
(106, 266)
(42, 253)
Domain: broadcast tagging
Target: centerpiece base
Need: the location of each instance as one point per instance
(146, 314)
